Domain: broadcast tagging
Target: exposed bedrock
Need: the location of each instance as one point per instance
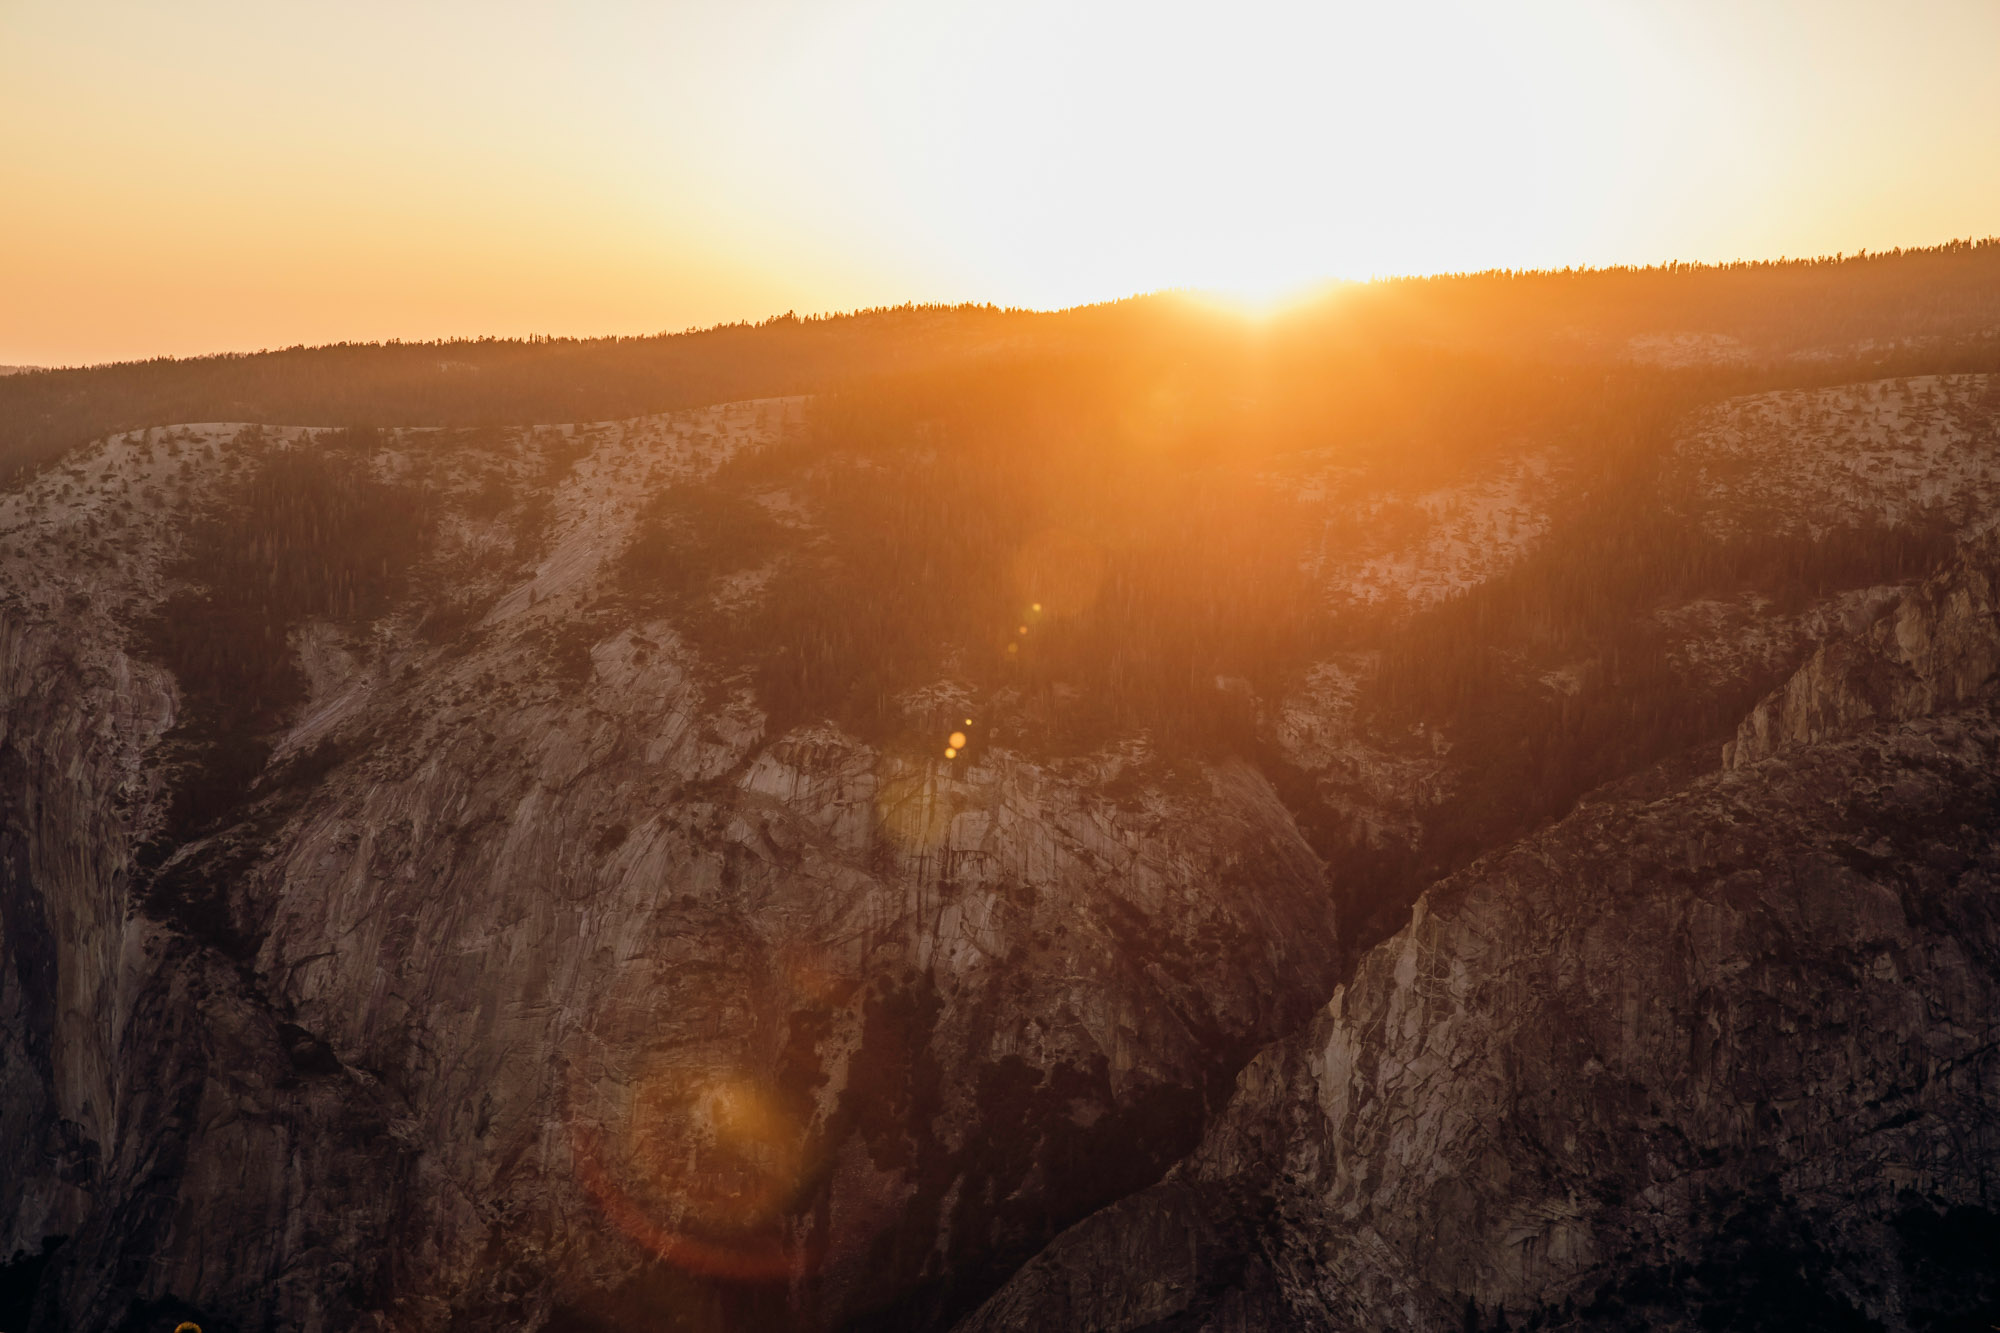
(1729, 1058)
(523, 965)
(535, 982)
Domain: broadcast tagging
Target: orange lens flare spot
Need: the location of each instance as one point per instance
(718, 1149)
(957, 741)
(951, 752)
(698, 1164)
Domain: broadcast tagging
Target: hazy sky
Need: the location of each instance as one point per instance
(204, 176)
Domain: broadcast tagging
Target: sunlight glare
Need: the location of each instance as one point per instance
(681, 164)
(1259, 303)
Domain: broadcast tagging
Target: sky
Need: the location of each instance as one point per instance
(216, 175)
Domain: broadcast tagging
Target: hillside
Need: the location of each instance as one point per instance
(1719, 1058)
(806, 825)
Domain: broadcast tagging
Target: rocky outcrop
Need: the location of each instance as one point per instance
(1936, 648)
(1819, 460)
(1729, 1058)
(71, 737)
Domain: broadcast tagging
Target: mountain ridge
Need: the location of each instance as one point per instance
(785, 862)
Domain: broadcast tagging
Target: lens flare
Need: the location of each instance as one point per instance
(698, 1164)
(957, 741)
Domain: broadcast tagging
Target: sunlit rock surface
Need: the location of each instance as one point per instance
(1725, 1058)
(541, 980)
(1814, 460)
(1938, 647)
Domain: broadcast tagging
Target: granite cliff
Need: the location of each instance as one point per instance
(440, 889)
(452, 1017)
(1727, 1057)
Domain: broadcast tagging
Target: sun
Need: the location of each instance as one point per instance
(1258, 302)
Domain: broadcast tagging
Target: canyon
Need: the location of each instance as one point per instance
(699, 870)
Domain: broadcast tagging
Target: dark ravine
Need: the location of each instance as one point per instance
(1727, 1058)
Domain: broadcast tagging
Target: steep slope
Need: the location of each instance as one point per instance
(531, 977)
(457, 877)
(1725, 1058)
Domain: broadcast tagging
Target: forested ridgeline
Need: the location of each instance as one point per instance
(1881, 307)
(487, 381)
(1772, 308)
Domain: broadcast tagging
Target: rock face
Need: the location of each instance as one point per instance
(1938, 648)
(508, 960)
(536, 981)
(1730, 1058)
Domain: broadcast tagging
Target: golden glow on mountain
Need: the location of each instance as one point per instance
(226, 175)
